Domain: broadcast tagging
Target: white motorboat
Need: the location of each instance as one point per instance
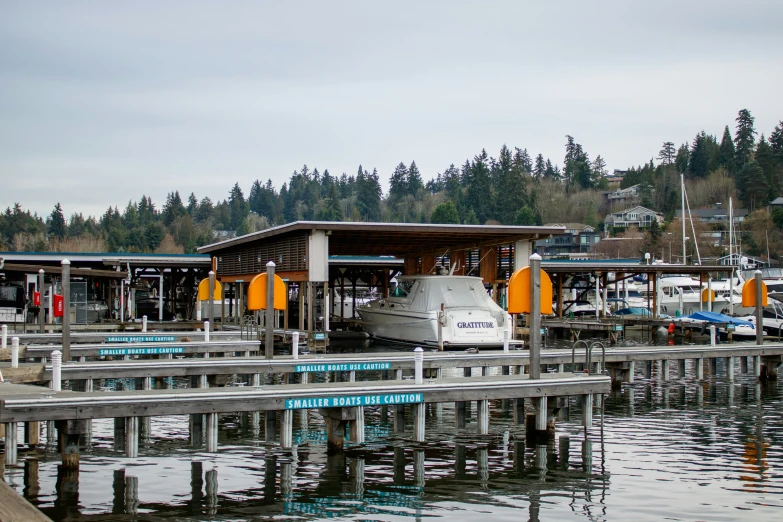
(771, 317)
(412, 314)
(345, 306)
(684, 294)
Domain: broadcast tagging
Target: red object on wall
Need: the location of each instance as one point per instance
(58, 305)
(36, 298)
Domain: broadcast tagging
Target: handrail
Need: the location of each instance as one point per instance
(588, 355)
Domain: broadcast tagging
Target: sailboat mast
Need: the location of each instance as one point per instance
(682, 193)
(731, 257)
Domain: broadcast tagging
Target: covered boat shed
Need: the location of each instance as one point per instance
(318, 254)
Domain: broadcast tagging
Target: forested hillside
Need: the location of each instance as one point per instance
(513, 187)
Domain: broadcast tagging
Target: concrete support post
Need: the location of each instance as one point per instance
(66, 333)
(540, 404)
(519, 411)
(482, 412)
(648, 369)
(587, 411)
(399, 418)
(357, 426)
(119, 434)
(269, 313)
(743, 364)
(460, 411)
(757, 366)
(681, 368)
(212, 432)
(287, 429)
(196, 430)
(335, 435)
(730, 368)
(10, 443)
(270, 425)
(132, 437)
(419, 422)
(700, 369)
(665, 370)
(713, 362)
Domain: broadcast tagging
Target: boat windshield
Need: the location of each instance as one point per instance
(403, 288)
(766, 273)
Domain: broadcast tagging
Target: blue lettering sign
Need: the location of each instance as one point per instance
(353, 400)
(141, 339)
(347, 367)
(140, 351)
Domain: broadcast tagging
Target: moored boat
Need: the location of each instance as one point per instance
(426, 309)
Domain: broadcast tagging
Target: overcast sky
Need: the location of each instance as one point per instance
(101, 102)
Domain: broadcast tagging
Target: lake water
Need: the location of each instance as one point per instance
(681, 450)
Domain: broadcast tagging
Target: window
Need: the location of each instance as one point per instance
(633, 216)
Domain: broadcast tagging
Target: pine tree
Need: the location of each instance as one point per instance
(237, 207)
(57, 222)
(667, 153)
(698, 166)
(727, 153)
(744, 138)
(398, 183)
(192, 205)
(776, 142)
(769, 164)
(414, 184)
(540, 167)
(752, 187)
(478, 195)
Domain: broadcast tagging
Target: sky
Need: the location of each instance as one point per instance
(103, 102)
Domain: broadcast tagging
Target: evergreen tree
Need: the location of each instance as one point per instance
(599, 168)
(237, 207)
(512, 189)
(368, 195)
(398, 183)
(727, 153)
(752, 187)
(173, 208)
(744, 140)
(478, 196)
(776, 142)
(682, 159)
(667, 153)
(698, 166)
(76, 225)
(57, 222)
(540, 167)
(525, 217)
(414, 184)
(769, 164)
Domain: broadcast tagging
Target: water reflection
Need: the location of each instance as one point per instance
(655, 445)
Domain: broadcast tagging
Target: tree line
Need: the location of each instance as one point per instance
(513, 188)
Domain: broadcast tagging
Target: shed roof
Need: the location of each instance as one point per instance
(360, 238)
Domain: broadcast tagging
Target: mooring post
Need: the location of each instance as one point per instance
(419, 421)
(119, 433)
(287, 429)
(15, 352)
(41, 300)
(335, 435)
(482, 412)
(535, 319)
(418, 365)
(757, 366)
(398, 422)
(587, 411)
(66, 333)
(211, 298)
(212, 432)
(665, 370)
(32, 433)
(459, 414)
(270, 425)
(519, 411)
(132, 437)
(540, 404)
(713, 336)
(206, 334)
(57, 368)
(699, 369)
(295, 345)
(759, 308)
(269, 313)
(144, 324)
(730, 368)
(357, 426)
(10, 443)
(4, 330)
(564, 450)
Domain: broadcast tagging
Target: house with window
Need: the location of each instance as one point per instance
(577, 239)
(639, 216)
(717, 215)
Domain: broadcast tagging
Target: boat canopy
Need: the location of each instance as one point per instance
(453, 291)
(712, 317)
